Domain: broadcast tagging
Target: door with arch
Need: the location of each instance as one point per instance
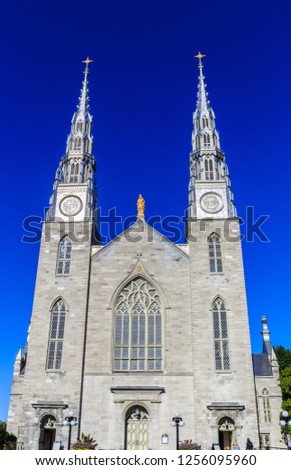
(137, 429)
(226, 428)
(47, 434)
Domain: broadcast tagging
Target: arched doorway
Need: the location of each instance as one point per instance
(47, 432)
(137, 429)
(225, 432)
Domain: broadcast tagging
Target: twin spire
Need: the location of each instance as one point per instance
(207, 161)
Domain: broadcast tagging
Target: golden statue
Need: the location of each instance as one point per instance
(140, 206)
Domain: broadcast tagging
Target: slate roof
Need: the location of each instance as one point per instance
(261, 364)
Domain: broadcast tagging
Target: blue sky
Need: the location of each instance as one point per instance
(143, 85)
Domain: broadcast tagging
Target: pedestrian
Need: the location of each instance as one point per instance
(249, 444)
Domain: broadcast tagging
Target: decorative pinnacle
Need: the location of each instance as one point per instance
(199, 56)
(140, 206)
(87, 62)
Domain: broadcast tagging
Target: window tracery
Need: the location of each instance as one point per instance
(215, 253)
(56, 335)
(138, 328)
(222, 359)
(64, 256)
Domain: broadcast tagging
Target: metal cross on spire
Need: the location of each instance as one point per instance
(199, 56)
(87, 62)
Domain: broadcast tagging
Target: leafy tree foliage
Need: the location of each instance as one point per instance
(7, 440)
(283, 356)
(284, 360)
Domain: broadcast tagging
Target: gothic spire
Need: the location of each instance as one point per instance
(205, 134)
(80, 138)
(77, 166)
(207, 161)
(202, 103)
(83, 106)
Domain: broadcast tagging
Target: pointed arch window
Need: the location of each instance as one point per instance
(64, 256)
(79, 126)
(138, 328)
(77, 144)
(209, 173)
(266, 406)
(56, 335)
(215, 255)
(205, 123)
(221, 347)
(74, 175)
(206, 140)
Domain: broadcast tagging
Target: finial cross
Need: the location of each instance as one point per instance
(199, 56)
(87, 62)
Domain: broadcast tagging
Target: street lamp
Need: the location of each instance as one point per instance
(177, 422)
(70, 421)
(285, 420)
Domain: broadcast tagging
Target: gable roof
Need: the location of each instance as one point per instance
(142, 227)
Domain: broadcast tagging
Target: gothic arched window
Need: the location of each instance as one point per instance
(209, 174)
(215, 255)
(64, 256)
(138, 328)
(222, 360)
(206, 140)
(77, 144)
(266, 406)
(205, 123)
(56, 335)
(74, 174)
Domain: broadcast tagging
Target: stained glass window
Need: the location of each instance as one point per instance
(221, 349)
(64, 256)
(138, 328)
(56, 336)
(215, 255)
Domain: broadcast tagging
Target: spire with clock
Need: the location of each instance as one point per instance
(210, 194)
(74, 191)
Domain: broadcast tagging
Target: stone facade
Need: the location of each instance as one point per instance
(193, 352)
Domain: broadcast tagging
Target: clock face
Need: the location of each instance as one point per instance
(211, 203)
(71, 205)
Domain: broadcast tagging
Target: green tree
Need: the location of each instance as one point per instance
(284, 361)
(285, 384)
(283, 356)
(7, 440)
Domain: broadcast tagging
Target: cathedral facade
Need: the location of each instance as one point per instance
(123, 336)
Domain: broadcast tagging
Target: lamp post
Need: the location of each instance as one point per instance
(70, 421)
(285, 420)
(177, 422)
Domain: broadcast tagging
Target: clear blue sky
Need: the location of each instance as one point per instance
(143, 85)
